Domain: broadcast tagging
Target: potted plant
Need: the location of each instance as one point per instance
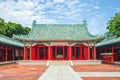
(59, 57)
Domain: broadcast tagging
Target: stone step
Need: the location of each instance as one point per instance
(32, 62)
(83, 62)
(59, 63)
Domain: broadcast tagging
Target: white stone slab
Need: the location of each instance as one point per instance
(60, 73)
(99, 74)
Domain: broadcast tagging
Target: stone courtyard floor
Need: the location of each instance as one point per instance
(21, 72)
(101, 78)
(98, 72)
(33, 72)
(97, 68)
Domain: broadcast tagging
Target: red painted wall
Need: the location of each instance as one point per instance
(108, 59)
(36, 53)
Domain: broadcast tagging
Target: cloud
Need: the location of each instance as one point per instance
(58, 1)
(23, 12)
(96, 7)
(116, 9)
(51, 12)
(95, 26)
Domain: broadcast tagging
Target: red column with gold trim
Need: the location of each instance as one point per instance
(88, 55)
(25, 52)
(70, 53)
(31, 52)
(49, 53)
(94, 55)
(80, 52)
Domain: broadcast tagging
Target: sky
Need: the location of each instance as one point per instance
(95, 12)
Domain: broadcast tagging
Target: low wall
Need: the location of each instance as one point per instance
(107, 58)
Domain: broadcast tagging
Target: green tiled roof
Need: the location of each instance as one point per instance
(108, 41)
(10, 41)
(51, 32)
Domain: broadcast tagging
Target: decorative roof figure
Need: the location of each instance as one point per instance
(33, 23)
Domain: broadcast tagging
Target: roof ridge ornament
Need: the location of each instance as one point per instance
(33, 23)
(84, 22)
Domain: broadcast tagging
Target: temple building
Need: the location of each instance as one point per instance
(10, 49)
(59, 41)
(109, 46)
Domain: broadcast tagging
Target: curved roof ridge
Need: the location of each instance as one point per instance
(57, 25)
(107, 41)
(47, 32)
(7, 40)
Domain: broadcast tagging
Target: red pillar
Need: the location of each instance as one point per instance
(85, 52)
(94, 55)
(112, 49)
(18, 54)
(63, 52)
(6, 54)
(56, 51)
(80, 52)
(75, 52)
(45, 53)
(92, 51)
(70, 53)
(25, 52)
(49, 52)
(88, 52)
(13, 54)
(31, 52)
(39, 52)
(115, 57)
(34, 53)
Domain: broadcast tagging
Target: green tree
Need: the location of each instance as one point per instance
(26, 30)
(3, 27)
(10, 28)
(113, 25)
(19, 29)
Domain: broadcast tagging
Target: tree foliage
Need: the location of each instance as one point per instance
(114, 25)
(10, 28)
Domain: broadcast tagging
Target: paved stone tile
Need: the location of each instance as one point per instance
(101, 78)
(60, 73)
(96, 68)
(99, 74)
(21, 72)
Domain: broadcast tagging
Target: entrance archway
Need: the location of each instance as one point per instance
(59, 52)
(79, 52)
(40, 52)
